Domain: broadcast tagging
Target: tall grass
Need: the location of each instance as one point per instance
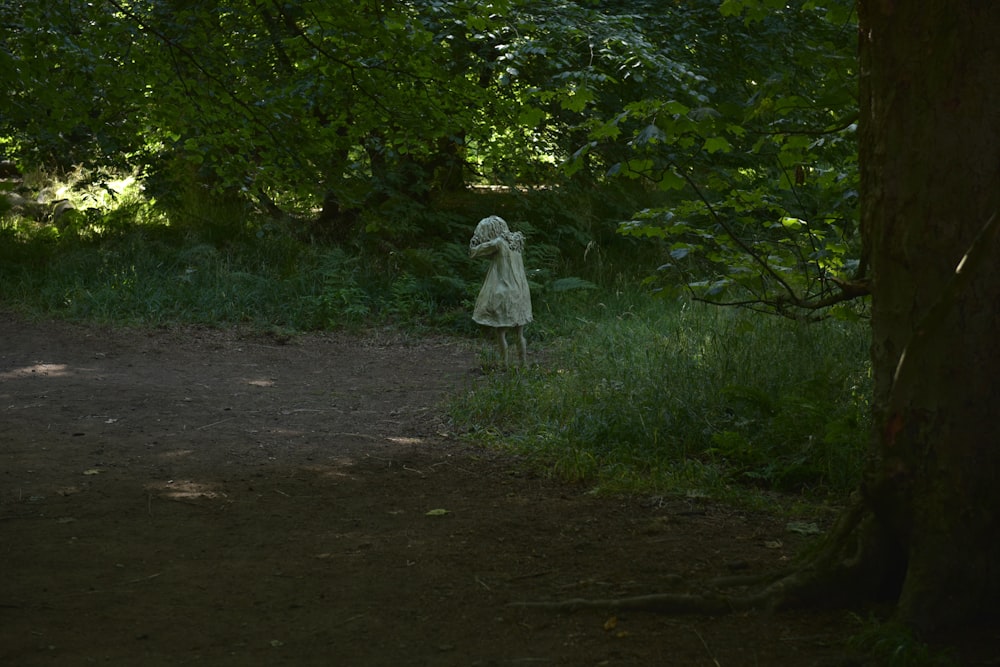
(685, 397)
(147, 278)
(127, 265)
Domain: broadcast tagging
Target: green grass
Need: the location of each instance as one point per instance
(894, 645)
(155, 274)
(199, 258)
(630, 392)
(683, 397)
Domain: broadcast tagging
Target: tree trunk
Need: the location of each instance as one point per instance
(333, 223)
(930, 170)
(924, 531)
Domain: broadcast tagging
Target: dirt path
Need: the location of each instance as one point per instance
(202, 497)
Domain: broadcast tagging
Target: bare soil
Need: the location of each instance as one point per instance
(195, 496)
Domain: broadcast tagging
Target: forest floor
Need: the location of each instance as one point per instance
(196, 496)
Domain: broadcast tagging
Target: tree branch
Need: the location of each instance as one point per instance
(172, 44)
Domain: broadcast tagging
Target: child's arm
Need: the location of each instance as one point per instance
(488, 248)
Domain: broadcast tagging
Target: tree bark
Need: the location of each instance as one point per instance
(930, 173)
(924, 531)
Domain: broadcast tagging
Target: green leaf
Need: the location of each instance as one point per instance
(651, 134)
(731, 7)
(531, 116)
(680, 252)
(576, 99)
(670, 180)
(792, 223)
(717, 145)
(676, 108)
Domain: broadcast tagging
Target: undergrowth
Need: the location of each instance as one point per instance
(684, 397)
(893, 645)
(154, 273)
(117, 256)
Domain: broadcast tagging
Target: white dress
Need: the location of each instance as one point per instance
(505, 299)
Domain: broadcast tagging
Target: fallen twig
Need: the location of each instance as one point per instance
(705, 644)
(531, 575)
(669, 603)
(202, 428)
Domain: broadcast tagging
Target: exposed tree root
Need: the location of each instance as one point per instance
(664, 603)
(844, 567)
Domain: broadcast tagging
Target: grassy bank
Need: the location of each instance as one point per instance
(684, 397)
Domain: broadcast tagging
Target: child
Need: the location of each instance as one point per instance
(504, 301)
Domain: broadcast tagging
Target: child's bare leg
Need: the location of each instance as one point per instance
(502, 343)
(522, 344)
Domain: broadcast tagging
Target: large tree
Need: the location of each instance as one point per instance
(922, 529)
(930, 159)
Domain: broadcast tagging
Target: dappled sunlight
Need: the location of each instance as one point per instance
(176, 454)
(184, 489)
(400, 440)
(36, 370)
(343, 461)
(339, 470)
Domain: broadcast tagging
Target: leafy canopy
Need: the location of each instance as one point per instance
(730, 126)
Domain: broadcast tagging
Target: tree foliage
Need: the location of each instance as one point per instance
(760, 158)
(295, 97)
(729, 129)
